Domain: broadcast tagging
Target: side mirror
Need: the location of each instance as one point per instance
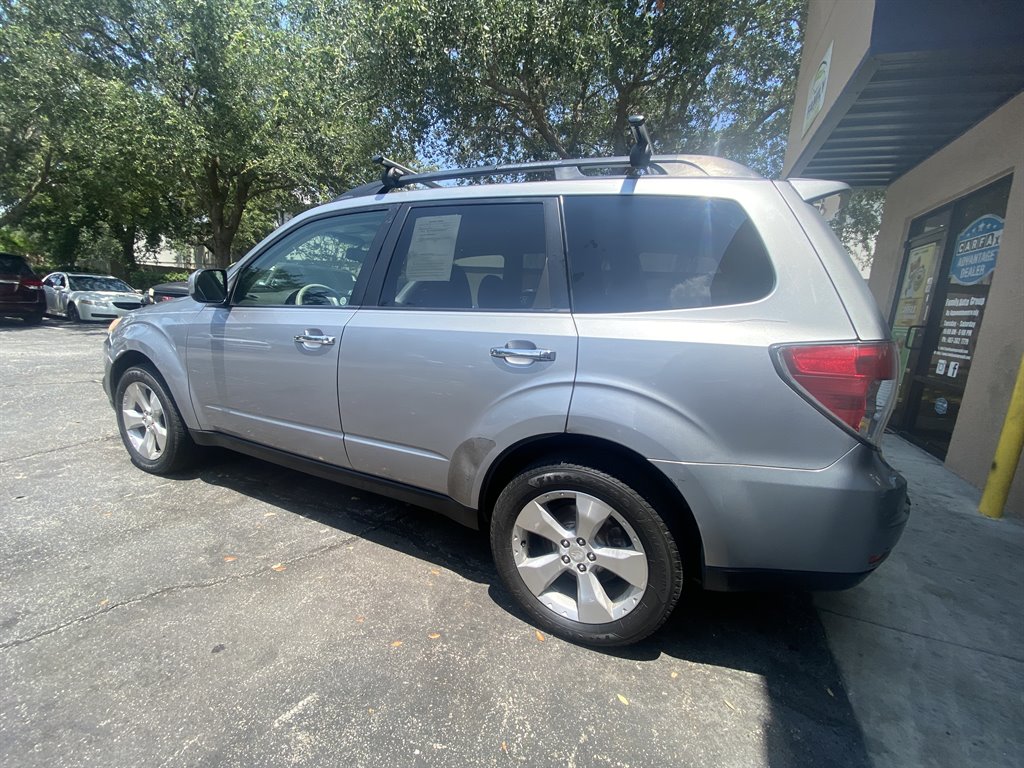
(208, 286)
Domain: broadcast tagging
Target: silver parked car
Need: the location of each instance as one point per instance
(669, 370)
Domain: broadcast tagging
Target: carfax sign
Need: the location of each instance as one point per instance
(975, 251)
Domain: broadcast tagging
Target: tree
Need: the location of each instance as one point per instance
(41, 101)
(858, 223)
(198, 112)
(522, 79)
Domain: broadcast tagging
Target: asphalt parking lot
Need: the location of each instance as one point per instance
(245, 614)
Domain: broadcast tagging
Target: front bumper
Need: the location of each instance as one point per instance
(106, 313)
(108, 364)
(815, 529)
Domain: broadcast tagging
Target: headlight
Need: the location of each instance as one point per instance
(113, 325)
(93, 302)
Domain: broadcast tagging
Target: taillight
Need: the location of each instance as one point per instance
(855, 384)
(31, 282)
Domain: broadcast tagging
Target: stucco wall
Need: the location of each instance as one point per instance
(988, 151)
(848, 23)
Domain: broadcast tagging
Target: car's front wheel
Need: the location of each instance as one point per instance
(150, 425)
(586, 555)
(73, 315)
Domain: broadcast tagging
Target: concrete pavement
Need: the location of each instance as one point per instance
(932, 646)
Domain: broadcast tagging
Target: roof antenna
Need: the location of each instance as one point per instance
(640, 154)
(393, 172)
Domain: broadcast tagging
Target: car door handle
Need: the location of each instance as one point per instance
(530, 354)
(315, 338)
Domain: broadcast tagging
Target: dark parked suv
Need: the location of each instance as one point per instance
(670, 369)
(21, 290)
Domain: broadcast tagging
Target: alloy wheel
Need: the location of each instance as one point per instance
(144, 420)
(579, 557)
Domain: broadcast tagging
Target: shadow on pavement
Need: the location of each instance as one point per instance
(777, 636)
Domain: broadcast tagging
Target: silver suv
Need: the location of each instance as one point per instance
(628, 372)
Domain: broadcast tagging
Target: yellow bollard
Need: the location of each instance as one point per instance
(1008, 450)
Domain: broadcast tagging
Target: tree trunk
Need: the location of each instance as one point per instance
(224, 219)
(124, 263)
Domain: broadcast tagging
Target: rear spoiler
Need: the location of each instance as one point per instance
(813, 190)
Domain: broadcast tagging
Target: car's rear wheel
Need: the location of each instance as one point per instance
(585, 554)
(73, 315)
(150, 425)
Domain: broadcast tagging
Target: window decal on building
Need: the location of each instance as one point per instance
(974, 256)
(816, 91)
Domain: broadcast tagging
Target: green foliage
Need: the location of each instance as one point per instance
(858, 223)
(125, 122)
(527, 79)
(144, 279)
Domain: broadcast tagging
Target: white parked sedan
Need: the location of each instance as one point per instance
(88, 297)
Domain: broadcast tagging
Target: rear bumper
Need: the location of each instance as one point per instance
(767, 527)
(34, 307)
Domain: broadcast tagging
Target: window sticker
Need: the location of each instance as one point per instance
(432, 250)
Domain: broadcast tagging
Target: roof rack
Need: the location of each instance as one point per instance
(639, 162)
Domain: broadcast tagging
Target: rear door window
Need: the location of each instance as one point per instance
(646, 253)
(484, 256)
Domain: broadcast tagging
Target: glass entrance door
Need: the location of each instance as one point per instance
(913, 308)
(939, 311)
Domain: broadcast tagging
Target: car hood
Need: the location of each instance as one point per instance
(106, 295)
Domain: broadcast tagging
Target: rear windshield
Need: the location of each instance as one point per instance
(88, 283)
(13, 265)
(644, 253)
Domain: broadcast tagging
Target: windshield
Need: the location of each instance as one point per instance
(91, 283)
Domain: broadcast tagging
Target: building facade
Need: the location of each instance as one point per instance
(926, 99)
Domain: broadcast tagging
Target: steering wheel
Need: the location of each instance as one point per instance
(324, 295)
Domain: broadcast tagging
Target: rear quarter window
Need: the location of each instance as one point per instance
(646, 253)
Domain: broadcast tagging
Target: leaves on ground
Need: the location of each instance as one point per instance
(539, 634)
(729, 704)
(360, 619)
(434, 635)
(279, 567)
(229, 558)
(622, 699)
(396, 644)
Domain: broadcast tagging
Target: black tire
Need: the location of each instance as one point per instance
(33, 319)
(73, 315)
(178, 450)
(664, 578)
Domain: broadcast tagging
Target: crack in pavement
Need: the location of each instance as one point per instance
(190, 586)
(60, 448)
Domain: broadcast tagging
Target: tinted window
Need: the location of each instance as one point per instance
(315, 265)
(13, 265)
(490, 256)
(643, 253)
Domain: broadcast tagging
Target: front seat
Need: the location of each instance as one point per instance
(453, 293)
